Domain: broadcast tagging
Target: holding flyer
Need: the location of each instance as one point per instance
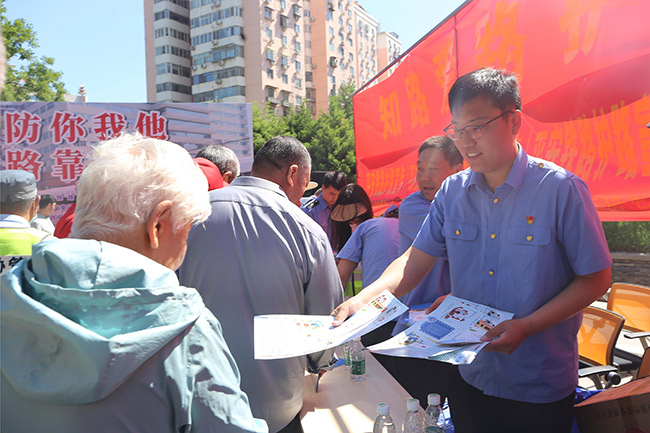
(451, 333)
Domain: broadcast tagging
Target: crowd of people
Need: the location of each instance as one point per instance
(142, 319)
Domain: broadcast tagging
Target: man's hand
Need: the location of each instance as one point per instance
(435, 304)
(507, 336)
(347, 309)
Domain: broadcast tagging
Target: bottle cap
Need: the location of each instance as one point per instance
(433, 399)
(383, 409)
(412, 404)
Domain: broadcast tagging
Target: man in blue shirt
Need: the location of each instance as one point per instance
(318, 207)
(438, 159)
(521, 234)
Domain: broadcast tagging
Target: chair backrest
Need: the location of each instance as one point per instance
(633, 302)
(598, 334)
(644, 368)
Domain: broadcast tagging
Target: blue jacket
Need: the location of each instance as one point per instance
(96, 337)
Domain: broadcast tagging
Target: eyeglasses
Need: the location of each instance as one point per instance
(474, 131)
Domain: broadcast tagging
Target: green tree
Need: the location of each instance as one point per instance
(266, 125)
(28, 76)
(329, 138)
(332, 147)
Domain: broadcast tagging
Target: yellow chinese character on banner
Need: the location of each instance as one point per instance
(389, 115)
(417, 101)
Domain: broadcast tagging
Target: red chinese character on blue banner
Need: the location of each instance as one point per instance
(68, 165)
(67, 126)
(28, 160)
(22, 126)
(108, 124)
(152, 125)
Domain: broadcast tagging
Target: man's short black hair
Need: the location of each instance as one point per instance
(501, 87)
(335, 179)
(279, 153)
(46, 200)
(445, 145)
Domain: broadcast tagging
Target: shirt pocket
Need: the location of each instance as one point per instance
(527, 235)
(458, 230)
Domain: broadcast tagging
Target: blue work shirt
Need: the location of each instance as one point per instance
(516, 249)
(412, 212)
(319, 211)
(374, 243)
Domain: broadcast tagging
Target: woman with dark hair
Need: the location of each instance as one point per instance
(352, 207)
(373, 242)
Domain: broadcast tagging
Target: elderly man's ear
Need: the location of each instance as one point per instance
(160, 224)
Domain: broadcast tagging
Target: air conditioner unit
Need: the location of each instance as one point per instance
(194, 68)
(285, 67)
(218, 81)
(312, 19)
(193, 48)
(219, 22)
(215, 41)
(222, 62)
(313, 65)
(204, 66)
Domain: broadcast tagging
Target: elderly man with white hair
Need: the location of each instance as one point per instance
(97, 333)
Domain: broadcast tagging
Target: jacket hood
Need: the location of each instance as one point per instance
(80, 316)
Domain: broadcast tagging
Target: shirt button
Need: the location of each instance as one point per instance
(457, 232)
(493, 236)
(490, 273)
(529, 238)
(496, 200)
(540, 165)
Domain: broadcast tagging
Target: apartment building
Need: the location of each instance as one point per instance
(280, 52)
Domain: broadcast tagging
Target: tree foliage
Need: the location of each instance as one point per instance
(28, 77)
(329, 138)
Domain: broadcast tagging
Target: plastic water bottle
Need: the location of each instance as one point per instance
(434, 419)
(383, 423)
(357, 361)
(413, 420)
(346, 353)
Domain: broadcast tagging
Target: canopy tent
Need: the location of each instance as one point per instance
(584, 71)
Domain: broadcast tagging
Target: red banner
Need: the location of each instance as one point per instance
(584, 72)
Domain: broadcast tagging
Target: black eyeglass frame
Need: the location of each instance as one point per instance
(475, 133)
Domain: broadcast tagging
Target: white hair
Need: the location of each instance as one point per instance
(127, 177)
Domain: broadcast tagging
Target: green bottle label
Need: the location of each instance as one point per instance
(358, 368)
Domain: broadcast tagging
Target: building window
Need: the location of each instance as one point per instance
(297, 46)
(269, 73)
(284, 41)
(351, 56)
(331, 46)
(299, 83)
(268, 13)
(308, 76)
(285, 78)
(296, 27)
(298, 100)
(283, 4)
(269, 54)
(331, 29)
(298, 65)
(285, 61)
(269, 33)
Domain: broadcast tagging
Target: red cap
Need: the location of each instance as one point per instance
(211, 172)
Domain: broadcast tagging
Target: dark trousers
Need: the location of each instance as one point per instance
(293, 427)
(474, 412)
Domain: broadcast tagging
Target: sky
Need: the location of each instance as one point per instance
(100, 44)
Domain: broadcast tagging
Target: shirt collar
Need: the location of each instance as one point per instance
(246, 181)
(13, 221)
(515, 176)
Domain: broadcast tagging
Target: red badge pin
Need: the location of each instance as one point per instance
(530, 219)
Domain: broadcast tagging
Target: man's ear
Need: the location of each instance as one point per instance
(159, 224)
(458, 167)
(292, 175)
(516, 122)
(228, 176)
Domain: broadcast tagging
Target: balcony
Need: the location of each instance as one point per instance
(273, 101)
